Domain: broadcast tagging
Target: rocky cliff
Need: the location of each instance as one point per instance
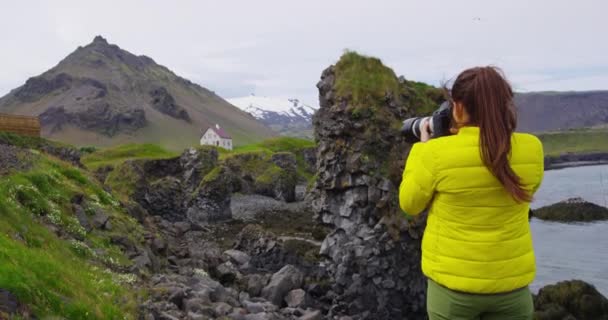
(103, 95)
(373, 254)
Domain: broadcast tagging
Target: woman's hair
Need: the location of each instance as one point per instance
(488, 99)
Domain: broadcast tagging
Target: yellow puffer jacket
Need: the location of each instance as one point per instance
(477, 237)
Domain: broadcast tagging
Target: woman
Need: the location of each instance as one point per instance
(477, 185)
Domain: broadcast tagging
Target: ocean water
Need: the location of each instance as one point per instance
(572, 251)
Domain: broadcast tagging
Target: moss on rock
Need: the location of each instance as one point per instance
(572, 210)
(572, 299)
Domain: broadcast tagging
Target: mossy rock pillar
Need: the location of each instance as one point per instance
(373, 252)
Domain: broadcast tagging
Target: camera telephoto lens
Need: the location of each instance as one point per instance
(411, 129)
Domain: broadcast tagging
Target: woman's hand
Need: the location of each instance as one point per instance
(425, 131)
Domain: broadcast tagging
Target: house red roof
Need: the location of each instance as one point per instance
(220, 132)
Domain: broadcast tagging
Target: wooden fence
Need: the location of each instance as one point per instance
(23, 125)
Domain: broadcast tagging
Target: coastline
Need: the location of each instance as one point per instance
(575, 160)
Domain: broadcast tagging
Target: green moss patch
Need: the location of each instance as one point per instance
(364, 80)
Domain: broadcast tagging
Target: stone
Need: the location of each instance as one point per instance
(312, 315)
(196, 316)
(237, 256)
(255, 284)
(259, 316)
(221, 308)
(99, 219)
(9, 305)
(82, 217)
(295, 298)
(195, 304)
(283, 281)
(177, 297)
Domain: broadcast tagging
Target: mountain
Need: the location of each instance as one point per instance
(103, 95)
(286, 116)
(552, 111)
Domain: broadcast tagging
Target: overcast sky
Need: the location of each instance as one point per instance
(280, 47)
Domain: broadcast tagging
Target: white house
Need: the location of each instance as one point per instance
(216, 136)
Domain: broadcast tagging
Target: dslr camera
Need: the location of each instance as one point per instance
(439, 124)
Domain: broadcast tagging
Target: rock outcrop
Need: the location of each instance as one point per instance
(572, 210)
(164, 102)
(374, 256)
(572, 299)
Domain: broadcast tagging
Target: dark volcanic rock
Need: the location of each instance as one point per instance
(164, 102)
(269, 175)
(281, 283)
(572, 210)
(37, 87)
(196, 163)
(374, 257)
(572, 299)
(165, 198)
(211, 201)
(13, 158)
(100, 117)
(9, 305)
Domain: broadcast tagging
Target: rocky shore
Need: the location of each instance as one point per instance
(575, 160)
(238, 236)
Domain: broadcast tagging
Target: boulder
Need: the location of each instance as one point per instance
(82, 216)
(285, 280)
(296, 298)
(227, 273)
(100, 219)
(572, 299)
(237, 256)
(312, 315)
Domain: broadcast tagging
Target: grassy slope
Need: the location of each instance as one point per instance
(119, 154)
(575, 141)
(53, 276)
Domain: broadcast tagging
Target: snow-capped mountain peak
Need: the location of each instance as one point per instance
(261, 107)
(285, 115)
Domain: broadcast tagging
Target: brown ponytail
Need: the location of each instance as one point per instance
(488, 99)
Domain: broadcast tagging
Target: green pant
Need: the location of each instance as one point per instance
(443, 304)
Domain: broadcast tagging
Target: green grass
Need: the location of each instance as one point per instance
(27, 141)
(119, 154)
(279, 144)
(364, 79)
(60, 277)
(575, 141)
